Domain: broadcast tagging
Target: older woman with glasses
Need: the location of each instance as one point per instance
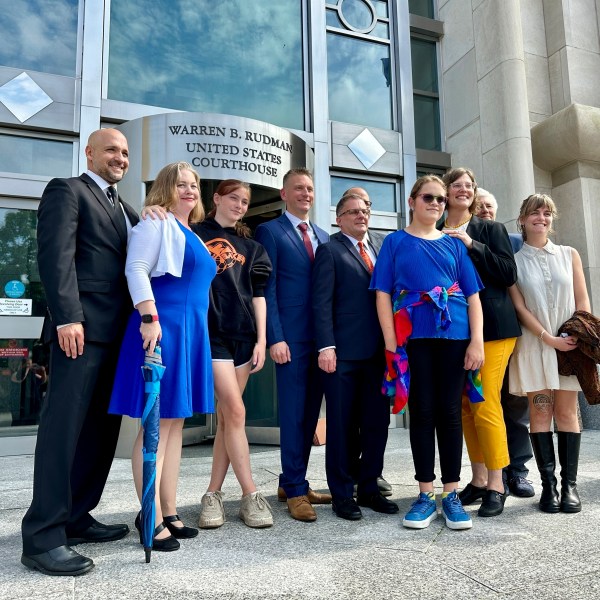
(489, 247)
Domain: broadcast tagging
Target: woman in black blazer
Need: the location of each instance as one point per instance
(483, 424)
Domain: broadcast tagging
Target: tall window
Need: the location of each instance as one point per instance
(240, 57)
(359, 62)
(39, 35)
(423, 8)
(426, 93)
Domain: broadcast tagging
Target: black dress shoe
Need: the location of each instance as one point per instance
(471, 494)
(97, 533)
(384, 487)
(179, 532)
(492, 505)
(378, 503)
(58, 561)
(168, 544)
(521, 487)
(346, 508)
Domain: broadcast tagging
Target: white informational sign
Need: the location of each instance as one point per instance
(15, 307)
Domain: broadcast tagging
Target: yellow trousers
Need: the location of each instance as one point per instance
(483, 422)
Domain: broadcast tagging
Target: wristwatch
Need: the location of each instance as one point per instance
(149, 318)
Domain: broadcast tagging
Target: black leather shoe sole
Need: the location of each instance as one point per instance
(99, 536)
(379, 504)
(347, 510)
(492, 505)
(471, 494)
(59, 562)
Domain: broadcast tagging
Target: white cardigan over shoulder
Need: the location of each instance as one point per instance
(155, 247)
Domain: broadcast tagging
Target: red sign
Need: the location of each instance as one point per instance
(14, 352)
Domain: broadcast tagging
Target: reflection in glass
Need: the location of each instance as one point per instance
(32, 156)
(357, 14)
(381, 8)
(427, 122)
(424, 65)
(358, 86)
(332, 19)
(39, 35)
(381, 193)
(381, 30)
(241, 57)
(423, 8)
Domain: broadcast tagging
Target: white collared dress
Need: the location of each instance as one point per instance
(545, 278)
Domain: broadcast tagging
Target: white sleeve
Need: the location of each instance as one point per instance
(142, 255)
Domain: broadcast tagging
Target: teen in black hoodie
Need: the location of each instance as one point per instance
(237, 326)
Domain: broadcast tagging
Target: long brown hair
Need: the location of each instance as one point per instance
(453, 174)
(227, 187)
(164, 190)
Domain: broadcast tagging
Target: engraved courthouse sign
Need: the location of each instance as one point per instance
(218, 146)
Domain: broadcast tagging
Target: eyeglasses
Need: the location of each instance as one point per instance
(458, 185)
(429, 198)
(354, 212)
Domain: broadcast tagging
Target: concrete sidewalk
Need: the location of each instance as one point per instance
(521, 554)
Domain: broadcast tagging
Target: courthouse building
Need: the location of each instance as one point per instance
(366, 93)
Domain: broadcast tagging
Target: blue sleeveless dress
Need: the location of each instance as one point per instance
(182, 305)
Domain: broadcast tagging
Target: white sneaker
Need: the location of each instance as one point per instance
(212, 514)
(255, 511)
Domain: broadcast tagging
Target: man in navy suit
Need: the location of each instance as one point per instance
(352, 359)
(291, 241)
(82, 243)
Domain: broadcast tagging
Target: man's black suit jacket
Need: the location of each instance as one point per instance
(82, 246)
(343, 306)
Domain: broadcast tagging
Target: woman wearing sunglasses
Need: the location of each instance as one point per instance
(430, 314)
(489, 247)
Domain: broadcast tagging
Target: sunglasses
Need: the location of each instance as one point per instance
(429, 198)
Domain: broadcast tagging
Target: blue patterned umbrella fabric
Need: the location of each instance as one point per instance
(153, 371)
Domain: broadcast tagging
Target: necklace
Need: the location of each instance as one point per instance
(456, 226)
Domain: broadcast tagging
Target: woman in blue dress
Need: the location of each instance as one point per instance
(430, 314)
(169, 271)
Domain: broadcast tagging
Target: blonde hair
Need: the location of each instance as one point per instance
(532, 203)
(164, 190)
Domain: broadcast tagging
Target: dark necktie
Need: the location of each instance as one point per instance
(303, 227)
(365, 256)
(112, 196)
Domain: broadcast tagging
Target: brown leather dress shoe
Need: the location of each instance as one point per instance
(313, 497)
(301, 509)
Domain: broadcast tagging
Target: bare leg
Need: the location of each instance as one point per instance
(479, 475)
(565, 411)
(229, 384)
(137, 466)
(541, 411)
(170, 472)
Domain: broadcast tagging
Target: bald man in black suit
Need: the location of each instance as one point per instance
(82, 243)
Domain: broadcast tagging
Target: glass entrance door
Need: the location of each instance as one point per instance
(23, 359)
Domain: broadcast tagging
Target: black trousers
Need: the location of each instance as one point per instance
(437, 379)
(358, 417)
(75, 446)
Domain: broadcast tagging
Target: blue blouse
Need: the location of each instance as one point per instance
(407, 262)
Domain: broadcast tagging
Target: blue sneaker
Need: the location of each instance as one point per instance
(456, 517)
(421, 513)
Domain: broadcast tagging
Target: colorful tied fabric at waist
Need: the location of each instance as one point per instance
(396, 379)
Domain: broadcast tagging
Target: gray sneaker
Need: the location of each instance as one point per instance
(212, 514)
(255, 511)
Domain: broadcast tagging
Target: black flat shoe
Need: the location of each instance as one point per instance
(471, 494)
(97, 533)
(180, 533)
(58, 561)
(168, 544)
(346, 508)
(378, 503)
(492, 505)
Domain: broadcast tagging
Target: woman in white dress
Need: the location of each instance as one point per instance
(550, 287)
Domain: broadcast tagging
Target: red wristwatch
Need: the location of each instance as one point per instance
(149, 318)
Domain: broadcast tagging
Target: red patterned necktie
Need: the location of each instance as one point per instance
(303, 227)
(365, 256)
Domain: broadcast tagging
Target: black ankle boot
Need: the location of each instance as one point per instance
(568, 455)
(543, 450)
